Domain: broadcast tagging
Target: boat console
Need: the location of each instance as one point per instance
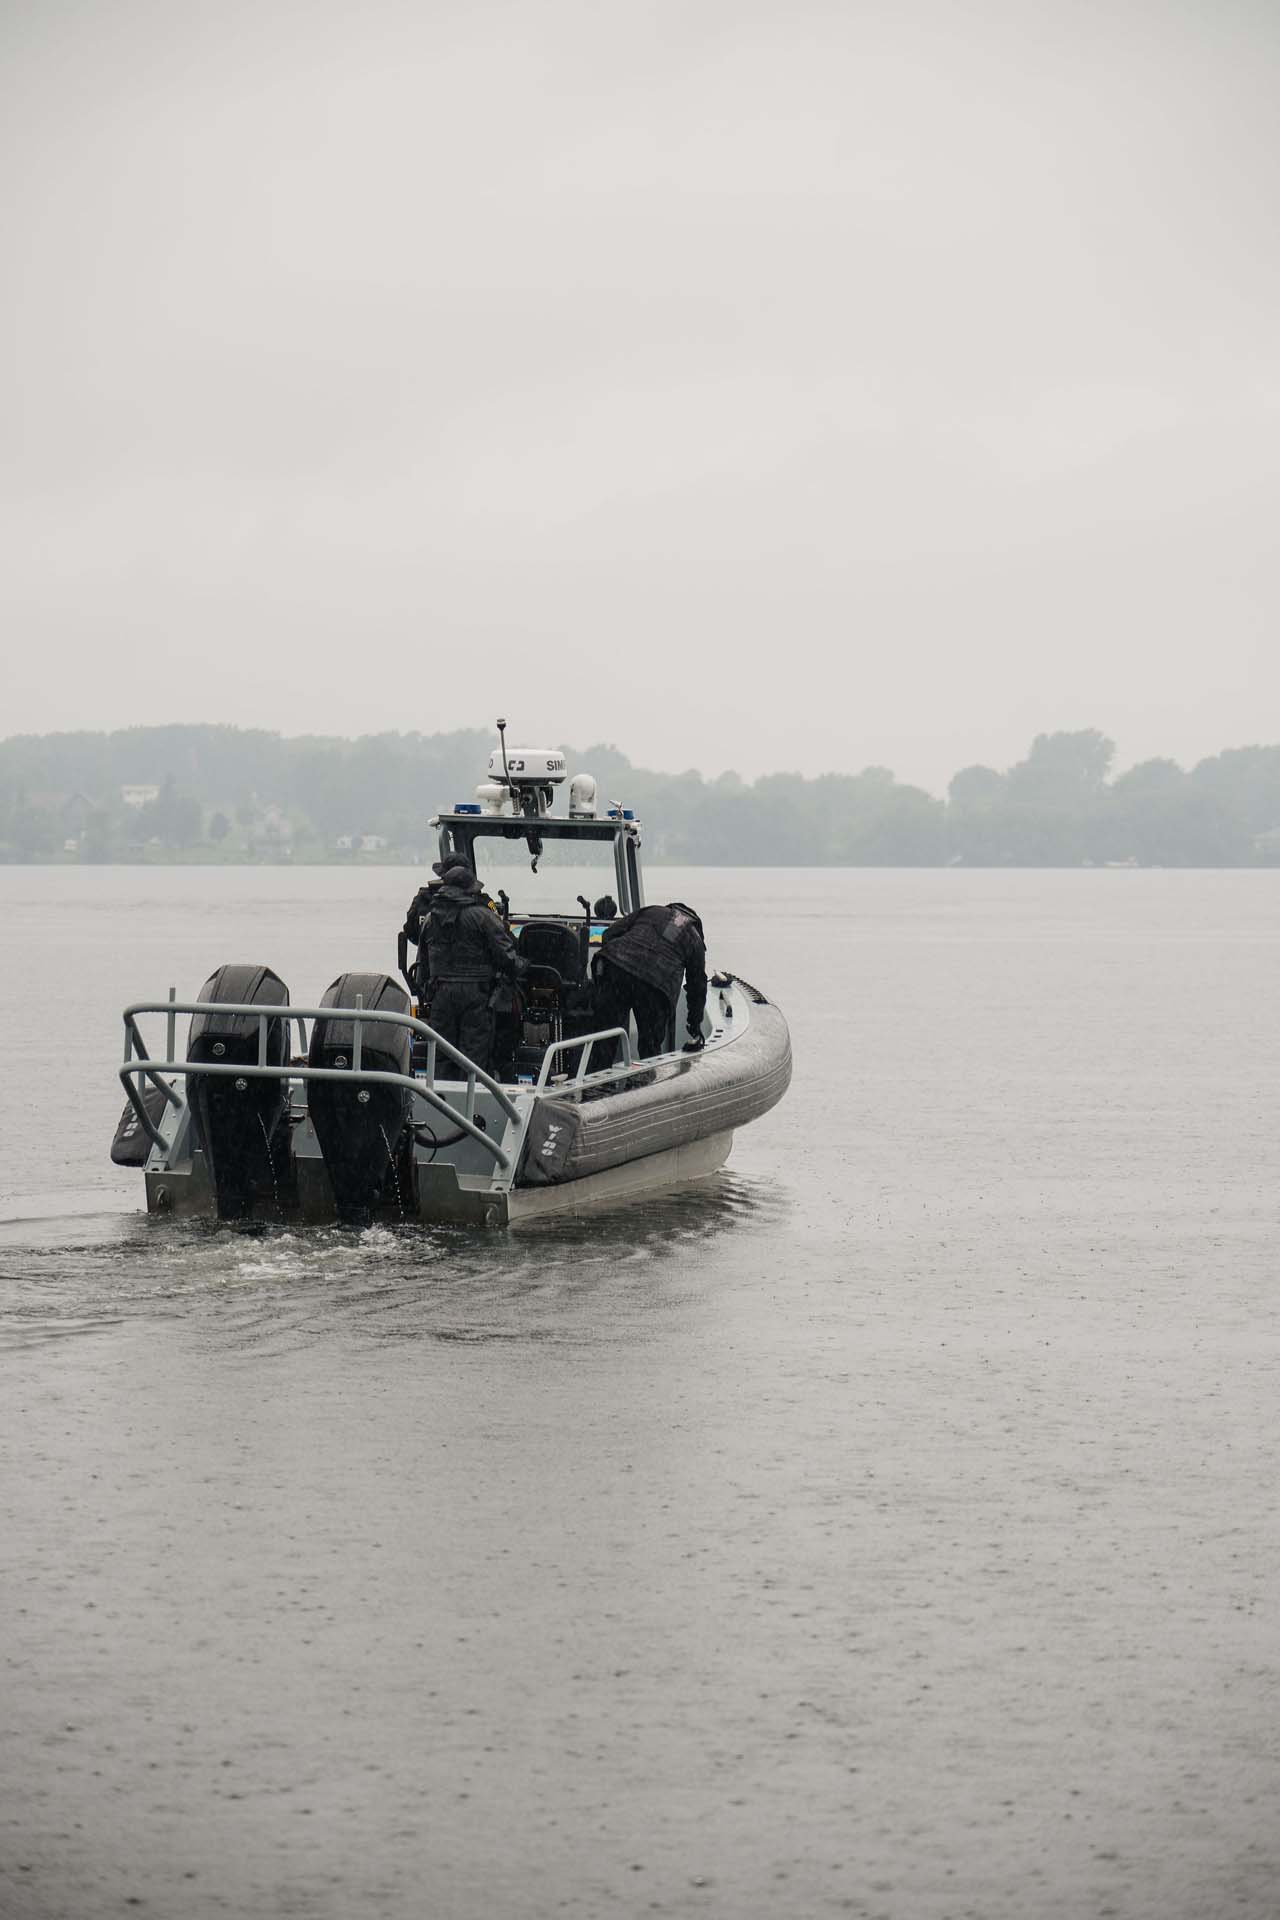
(511, 813)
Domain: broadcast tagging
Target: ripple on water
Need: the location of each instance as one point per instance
(264, 1285)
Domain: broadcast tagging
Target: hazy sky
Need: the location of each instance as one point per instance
(764, 385)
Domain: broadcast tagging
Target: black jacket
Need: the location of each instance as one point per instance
(662, 945)
(465, 940)
(419, 907)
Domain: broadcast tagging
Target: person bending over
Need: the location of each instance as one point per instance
(644, 959)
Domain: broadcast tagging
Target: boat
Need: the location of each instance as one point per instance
(374, 1116)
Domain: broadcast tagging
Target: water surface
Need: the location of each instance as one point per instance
(887, 1527)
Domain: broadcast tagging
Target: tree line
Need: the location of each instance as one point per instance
(218, 793)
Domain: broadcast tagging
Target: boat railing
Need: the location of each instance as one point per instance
(139, 1065)
(616, 1071)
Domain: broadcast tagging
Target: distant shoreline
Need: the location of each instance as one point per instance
(196, 795)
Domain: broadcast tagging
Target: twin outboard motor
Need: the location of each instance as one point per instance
(241, 1121)
(361, 1127)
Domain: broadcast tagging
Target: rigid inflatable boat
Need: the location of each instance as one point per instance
(374, 1115)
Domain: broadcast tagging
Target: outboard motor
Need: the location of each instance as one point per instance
(361, 1128)
(241, 1122)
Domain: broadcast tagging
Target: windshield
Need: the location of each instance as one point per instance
(566, 869)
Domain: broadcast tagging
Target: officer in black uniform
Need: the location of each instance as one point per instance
(644, 958)
(411, 939)
(465, 947)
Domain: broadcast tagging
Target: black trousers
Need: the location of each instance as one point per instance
(460, 1013)
(619, 994)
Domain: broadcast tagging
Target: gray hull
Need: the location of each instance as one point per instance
(687, 1100)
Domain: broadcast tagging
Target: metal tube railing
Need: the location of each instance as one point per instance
(143, 1066)
(150, 1070)
(357, 1015)
(366, 1076)
(586, 1041)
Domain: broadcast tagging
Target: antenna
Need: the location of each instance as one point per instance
(502, 742)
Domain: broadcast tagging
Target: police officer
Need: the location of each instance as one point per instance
(413, 936)
(465, 947)
(644, 958)
(411, 939)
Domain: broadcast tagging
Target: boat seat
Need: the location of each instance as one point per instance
(549, 943)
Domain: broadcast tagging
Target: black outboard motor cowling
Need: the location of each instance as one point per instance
(241, 1123)
(361, 1128)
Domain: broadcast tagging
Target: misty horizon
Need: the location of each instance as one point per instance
(1120, 764)
(222, 794)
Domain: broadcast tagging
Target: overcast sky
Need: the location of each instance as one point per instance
(767, 385)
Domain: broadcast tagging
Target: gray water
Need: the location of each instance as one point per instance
(888, 1527)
